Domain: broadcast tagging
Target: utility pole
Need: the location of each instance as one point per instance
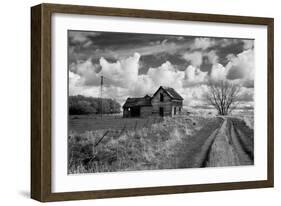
(101, 87)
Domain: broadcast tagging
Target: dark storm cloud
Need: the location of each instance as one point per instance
(81, 38)
(206, 65)
(178, 61)
(113, 40)
(235, 73)
(112, 45)
(105, 40)
(149, 61)
(156, 60)
(224, 47)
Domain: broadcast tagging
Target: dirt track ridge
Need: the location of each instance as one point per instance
(229, 147)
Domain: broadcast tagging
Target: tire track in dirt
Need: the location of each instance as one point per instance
(229, 148)
(193, 151)
(245, 156)
(245, 136)
(226, 141)
(201, 159)
(222, 152)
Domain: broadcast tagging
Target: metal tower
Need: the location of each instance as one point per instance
(101, 88)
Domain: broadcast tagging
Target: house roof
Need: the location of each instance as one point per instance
(171, 92)
(146, 100)
(140, 101)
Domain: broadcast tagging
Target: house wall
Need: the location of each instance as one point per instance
(166, 104)
(176, 108)
(146, 111)
(178, 105)
(126, 113)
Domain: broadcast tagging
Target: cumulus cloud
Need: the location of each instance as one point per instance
(201, 59)
(218, 73)
(144, 85)
(185, 63)
(87, 71)
(202, 43)
(242, 66)
(123, 73)
(194, 76)
(194, 57)
(195, 95)
(164, 75)
(212, 57)
(73, 83)
(76, 86)
(85, 77)
(122, 78)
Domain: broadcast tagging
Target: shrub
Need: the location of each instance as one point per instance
(89, 105)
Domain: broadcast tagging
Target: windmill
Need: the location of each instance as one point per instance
(101, 93)
(101, 88)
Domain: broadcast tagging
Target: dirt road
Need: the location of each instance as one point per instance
(183, 142)
(230, 144)
(231, 147)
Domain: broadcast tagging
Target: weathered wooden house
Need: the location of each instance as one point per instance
(164, 102)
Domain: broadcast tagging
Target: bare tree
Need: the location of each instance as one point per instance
(224, 96)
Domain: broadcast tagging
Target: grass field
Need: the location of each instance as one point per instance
(83, 123)
(118, 144)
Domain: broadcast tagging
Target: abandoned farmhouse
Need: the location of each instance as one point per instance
(164, 102)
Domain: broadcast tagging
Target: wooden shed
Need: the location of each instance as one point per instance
(137, 107)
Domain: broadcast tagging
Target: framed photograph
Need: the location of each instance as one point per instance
(130, 102)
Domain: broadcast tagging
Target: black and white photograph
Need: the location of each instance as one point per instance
(139, 101)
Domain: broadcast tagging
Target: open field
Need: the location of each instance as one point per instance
(83, 123)
(116, 144)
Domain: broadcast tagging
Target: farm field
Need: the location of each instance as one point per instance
(82, 123)
(114, 143)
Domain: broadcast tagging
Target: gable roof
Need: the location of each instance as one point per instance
(171, 93)
(140, 101)
(146, 100)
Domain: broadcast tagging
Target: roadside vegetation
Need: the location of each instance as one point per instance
(158, 145)
(79, 105)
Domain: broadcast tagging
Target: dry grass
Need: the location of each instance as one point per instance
(153, 146)
(249, 121)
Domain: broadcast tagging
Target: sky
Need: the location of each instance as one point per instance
(134, 65)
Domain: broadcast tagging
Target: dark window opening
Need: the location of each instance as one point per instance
(135, 111)
(161, 111)
(161, 97)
